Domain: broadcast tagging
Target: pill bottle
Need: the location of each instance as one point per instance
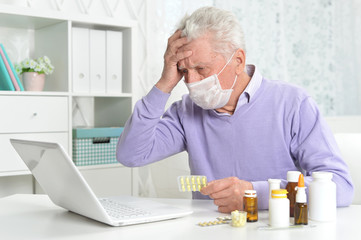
(239, 218)
(292, 181)
(250, 205)
(273, 184)
(279, 209)
(322, 197)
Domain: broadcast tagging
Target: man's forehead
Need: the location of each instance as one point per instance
(202, 43)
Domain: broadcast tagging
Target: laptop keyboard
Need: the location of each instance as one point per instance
(120, 211)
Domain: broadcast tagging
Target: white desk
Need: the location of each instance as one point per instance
(36, 217)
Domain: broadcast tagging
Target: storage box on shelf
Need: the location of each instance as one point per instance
(48, 115)
(94, 146)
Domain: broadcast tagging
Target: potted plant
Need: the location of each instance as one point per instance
(34, 71)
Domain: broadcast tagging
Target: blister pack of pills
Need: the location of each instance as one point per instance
(191, 183)
(212, 223)
(220, 220)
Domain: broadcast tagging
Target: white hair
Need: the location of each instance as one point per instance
(223, 26)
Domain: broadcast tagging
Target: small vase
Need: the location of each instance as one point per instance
(33, 81)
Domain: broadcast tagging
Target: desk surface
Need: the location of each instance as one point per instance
(36, 217)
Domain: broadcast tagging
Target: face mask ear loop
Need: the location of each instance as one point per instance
(234, 83)
(226, 64)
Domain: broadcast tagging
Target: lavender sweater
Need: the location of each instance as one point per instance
(276, 128)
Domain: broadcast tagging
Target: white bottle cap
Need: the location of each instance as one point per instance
(301, 196)
(292, 176)
(271, 180)
(250, 193)
(322, 175)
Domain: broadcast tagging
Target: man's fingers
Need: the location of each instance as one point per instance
(175, 52)
(228, 205)
(225, 209)
(181, 55)
(173, 47)
(221, 202)
(219, 185)
(212, 187)
(175, 36)
(225, 193)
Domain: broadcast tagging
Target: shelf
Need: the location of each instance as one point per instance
(29, 22)
(22, 17)
(41, 31)
(91, 167)
(51, 33)
(15, 173)
(30, 93)
(49, 93)
(101, 95)
(101, 166)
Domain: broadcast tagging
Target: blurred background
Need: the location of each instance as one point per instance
(314, 44)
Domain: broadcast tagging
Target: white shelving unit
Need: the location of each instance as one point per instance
(48, 115)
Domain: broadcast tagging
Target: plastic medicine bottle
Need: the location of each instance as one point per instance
(279, 209)
(292, 179)
(273, 184)
(322, 197)
(250, 205)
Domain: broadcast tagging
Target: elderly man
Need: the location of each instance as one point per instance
(239, 128)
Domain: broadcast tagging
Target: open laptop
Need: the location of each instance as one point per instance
(61, 180)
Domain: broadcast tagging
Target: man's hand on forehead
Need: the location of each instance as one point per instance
(173, 54)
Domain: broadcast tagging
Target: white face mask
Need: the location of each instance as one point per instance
(208, 93)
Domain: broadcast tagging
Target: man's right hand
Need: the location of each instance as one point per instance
(170, 75)
(227, 193)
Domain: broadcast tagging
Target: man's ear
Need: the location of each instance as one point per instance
(240, 61)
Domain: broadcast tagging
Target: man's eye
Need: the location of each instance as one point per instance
(184, 71)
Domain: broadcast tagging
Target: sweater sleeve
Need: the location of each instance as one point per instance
(149, 135)
(314, 148)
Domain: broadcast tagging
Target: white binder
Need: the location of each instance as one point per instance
(97, 61)
(80, 58)
(114, 61)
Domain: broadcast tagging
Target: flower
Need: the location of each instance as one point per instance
(39, 65)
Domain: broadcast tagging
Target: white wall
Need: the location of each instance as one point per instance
(345, 124)
(347, 130)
